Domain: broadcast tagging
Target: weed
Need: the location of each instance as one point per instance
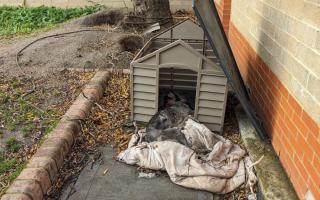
(15, 83)
(12, 144)
(50, 126)
(15, 170)
(15, 20)
(4, 98)
(26, 130)
(6, 164)
(15, 174)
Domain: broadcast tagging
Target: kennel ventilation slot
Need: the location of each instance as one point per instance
(181, 79)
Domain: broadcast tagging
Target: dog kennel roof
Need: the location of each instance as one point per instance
(186, 29)
(179, 53)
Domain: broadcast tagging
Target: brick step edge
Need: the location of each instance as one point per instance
(42, 169)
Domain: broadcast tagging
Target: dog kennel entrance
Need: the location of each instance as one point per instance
(180, 82)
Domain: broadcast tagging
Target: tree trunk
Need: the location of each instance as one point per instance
(158, 9)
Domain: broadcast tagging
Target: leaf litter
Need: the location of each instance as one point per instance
(115, 128)
(99, 129)
(24, 122)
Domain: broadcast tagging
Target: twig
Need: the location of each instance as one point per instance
(136, 128)
(34, 106)
(81, 129)
(95, 103)
(252, 177)
(257, 162)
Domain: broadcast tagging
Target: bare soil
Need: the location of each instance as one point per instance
(51, 75)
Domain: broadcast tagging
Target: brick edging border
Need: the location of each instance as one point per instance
(42, 169)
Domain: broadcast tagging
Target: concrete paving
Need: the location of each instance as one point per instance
(121, 182)
(272, 178)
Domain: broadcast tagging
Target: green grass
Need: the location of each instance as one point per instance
(6, 164)
(12, 144)
(11, 168)
(15, 20)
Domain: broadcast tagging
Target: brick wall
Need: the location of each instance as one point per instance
(276, 45)
(175, 4)
(224, 11)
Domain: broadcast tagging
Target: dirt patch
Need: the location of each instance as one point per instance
(88, 49)
(131, 43)
(104, 17)
(25, 121)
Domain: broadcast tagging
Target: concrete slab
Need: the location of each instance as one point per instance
(122, 182)
(272, 178)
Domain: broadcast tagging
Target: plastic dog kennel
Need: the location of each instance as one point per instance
(182, 65)
(186, 30)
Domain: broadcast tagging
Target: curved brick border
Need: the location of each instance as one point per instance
(42, 169)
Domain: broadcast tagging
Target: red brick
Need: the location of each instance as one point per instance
(306, 148)
(285, 116)
(315, 189)
(70, 126)
(104, 75)
(92, 93)
(84, 102)
(298, 148)
(283, 90)
(299, 186)
(311, 124)
(275, 80)
(45, 163)
(75, 113)
(57, 143)
(276, 142)
(292, 128)
(316, 163)
(313, 173)
(101, 77)
(65, 134)
(300, 168)
(287, 146)
(314, 144)
(38, 174)
(28, 187)
(286, 106)
(302, 128)
(286, 161)
(51, 152)
(95, 86)
(15, 197)
(295, 105)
